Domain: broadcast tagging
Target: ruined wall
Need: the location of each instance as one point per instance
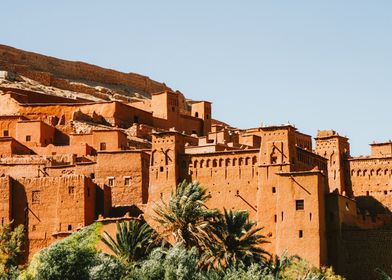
(28, 96)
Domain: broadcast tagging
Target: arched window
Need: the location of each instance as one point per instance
(240, 161)
(371, 172)
(234, 161)
(195, 163)
(228, 162)
(221, 160)
(365, 172)
(202, 163)
(386, 172)
(214, 163)
(359, 172)
(379, 173)
(208, 163)
(247, 160)
(254, 160)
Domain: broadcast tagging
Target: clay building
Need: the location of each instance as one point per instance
(67, 162)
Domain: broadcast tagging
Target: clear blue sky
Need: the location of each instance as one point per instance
(323, 64)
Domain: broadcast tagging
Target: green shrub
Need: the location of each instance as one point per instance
(71, 258)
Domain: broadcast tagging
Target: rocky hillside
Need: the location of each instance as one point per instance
(27, 70)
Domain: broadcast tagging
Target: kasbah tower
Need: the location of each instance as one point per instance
(73, 153)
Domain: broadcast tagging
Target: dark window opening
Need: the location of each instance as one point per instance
(273, 190)
(6, 133)
(92, 175)
(161, 169)
(275, 218)
(69, 227)
(196, 114)
(71, 190)
(274, 160)
(385, 192)
(111, 182)
(102, 146)
(127, 181)
(35, 195)
(299, 204)
(28, 138)
(310, 216)
(301, 233)
(367, 193)
(281, 216)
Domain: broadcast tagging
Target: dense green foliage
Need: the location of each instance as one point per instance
(11, 247)
(72, 257)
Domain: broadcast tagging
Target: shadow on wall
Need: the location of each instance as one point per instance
(371, 205)
(20, 212)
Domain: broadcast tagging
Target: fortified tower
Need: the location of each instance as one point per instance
(274, 157)
(165, 106)
(336, 149)
(167, 163)
(202, 110)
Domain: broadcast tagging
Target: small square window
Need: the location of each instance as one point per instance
(35, 197)
(127, 181)
(111, 181)
(299, 204)
(71, 190)
(28, 138)
(6, 133)
(102, 146)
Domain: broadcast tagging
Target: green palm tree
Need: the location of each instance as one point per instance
(186, 216)
(134, 241)
(233, 239)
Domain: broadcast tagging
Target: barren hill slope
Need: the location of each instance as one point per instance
(49, 74)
